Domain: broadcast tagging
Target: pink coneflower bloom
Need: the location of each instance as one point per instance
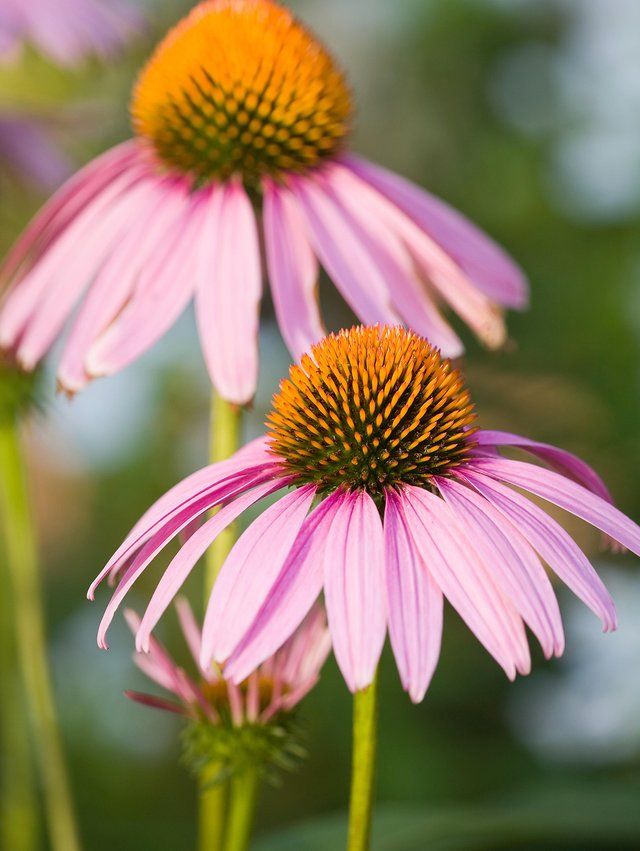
(66, 31)
(395, 501)
(241, 119)
(276, 686)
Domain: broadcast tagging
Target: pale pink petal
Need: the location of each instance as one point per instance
(164, 289)
(291, 597)
(172, 517)
(190, 628)
(354, 588)
(511, 561)
(563, 462)
(486, 263)
(444, 275)
(40, 302)
(228, 293)
(181, 566)
(337, 242)
(465, 580)
(293, 270)
(415, 603)
(369, 212)
(248, 574)
(553, 544)
(566, 494)
(116, 282)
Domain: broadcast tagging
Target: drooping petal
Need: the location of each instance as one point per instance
(291, 597)
(179, 507)
(415, 603)
(293, 270)
(488, 265)
(562, 461)
(355, 588)
(464, 580)
(373, 227)
(445, 277)
(337, 243)
(228, 293)
(553, 544)
(38, 304)
(566, 494)
(511, 561)
(164, 289)
(116, 282)
(190, 628)
(249, 573)
(181, 566)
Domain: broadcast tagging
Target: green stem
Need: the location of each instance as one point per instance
(226, 420)
(224, 441)
(244, 793)
(28, 609)
(363, 768)
(19, 812)
(213, 802)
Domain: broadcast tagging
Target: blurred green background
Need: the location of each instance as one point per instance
(525, 114)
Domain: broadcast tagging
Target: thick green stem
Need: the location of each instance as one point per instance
(226, 421)
(213, 802)
(224, 441)
(363, 768)
(26, 594)
(244, 794)
(19, 810)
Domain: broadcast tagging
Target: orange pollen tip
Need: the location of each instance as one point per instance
(240, 87)
(372, 408)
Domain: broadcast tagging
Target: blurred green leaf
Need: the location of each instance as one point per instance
(599, 818)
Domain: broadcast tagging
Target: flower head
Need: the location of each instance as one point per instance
(241, 123)
(66, 32)
(236, 725)
(240, 87)
(397, 505)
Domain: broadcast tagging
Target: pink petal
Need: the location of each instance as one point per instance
(181, 566)
(486, 263)
(415, 603)
(164, 289)
(338, 243)
(173, 516)
(445, 276)
(465, 581)
(355, 588)
(229, 288)
(39, 303)
(248, 574)
(566, 494)
(511, 561)
(293, 270)
(156, 702)
(553, 544)
(374, 227)
(291, 596)
(190, 628)
(563, 462)
(115, 284)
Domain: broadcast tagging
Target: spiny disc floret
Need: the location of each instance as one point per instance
(372, 408)
(240, 87)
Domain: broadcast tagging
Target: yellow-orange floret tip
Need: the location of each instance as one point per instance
(372, 408)
(240, 87)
